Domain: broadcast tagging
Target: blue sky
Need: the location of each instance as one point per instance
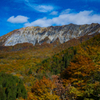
(15, 14)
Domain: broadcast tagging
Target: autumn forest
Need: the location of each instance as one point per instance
(69, 71)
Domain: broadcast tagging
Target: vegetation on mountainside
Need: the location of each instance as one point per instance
(59, 61)
(72, 74)
(11, 87)
(82, 69)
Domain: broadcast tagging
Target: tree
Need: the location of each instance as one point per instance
(11, 87)
(43, 90)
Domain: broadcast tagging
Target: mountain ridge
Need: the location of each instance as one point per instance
(39, 35)
(75, 68)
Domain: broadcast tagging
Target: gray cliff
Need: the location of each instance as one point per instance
(50, 34)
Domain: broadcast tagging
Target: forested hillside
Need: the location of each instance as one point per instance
(79, 69)
(48, 73)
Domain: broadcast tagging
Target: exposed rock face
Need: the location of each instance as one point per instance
(50, 34)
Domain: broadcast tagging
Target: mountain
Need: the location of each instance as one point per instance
(65, 68)
(79, 69)
(52, 34)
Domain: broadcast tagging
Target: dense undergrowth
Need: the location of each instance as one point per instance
(72, 74)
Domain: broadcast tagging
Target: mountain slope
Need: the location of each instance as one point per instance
(31, 63)
(79, 69)
(39, 35)
(60, 61)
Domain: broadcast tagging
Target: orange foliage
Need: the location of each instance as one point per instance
(43, 90)
(79, 71)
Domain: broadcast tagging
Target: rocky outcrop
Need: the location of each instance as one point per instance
(38, 35)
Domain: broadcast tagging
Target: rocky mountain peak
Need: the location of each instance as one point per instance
(39, 35)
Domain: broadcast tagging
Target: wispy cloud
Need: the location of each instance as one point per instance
(33, 4)
(43, 8)
(66, 11)
(83, 17)
(18, 19)
(54, 13)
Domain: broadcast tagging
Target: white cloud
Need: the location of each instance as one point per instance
(38, 7)
(18, 19)
(43, 22)
(83, 17)
(44, 8)
(54, 13)
(33, 4)
(66, 11)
